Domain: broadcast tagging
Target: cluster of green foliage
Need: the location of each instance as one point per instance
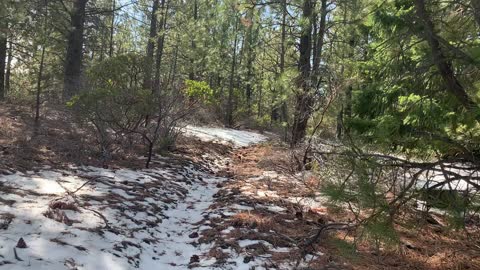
(199, 90)
(115, 94)
(401, 105)
(399, 98)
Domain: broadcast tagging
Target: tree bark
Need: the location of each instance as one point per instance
(39, 85)
(112, 29)
(9, 66)
(147, 81)
(40, 68)
(74, 57)
(3, 56)
(284, 106)
(250, 59)
(274, 114)
(160, 45)
(317, 54)
(443, 64)
(339, 130)
(284, 36)
(229, 114)
(191, 75)
(304, 99)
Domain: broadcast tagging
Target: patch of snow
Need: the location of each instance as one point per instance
(247, 242)
(150, 218)
(275, 208)
(267, 194)
(281, 249)
(242, 207)
(238, 138)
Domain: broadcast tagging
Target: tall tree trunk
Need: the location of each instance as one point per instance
(284, 106)
(443, 64)
(349, 90)
(39, 85)
(160, 45)
(284, 36)
(304, 99)
(102, 48)
(191, 75)
(74, 57)
(229, 109)
(173, 69)
(9, 66)
(250, 59)
(339, 130)
(40, 68)
(3, 56)
(348, 102)
(112, 29)
(147, 81)
(317, 54)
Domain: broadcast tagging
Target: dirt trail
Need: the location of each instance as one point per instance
(96, 218)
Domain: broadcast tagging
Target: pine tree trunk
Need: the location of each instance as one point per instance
(112, 29)
(339, 132)
(304, 100)
(3, 56)
(39, 86)
(229, 109)
(147, 81)
(284, 36)
(284, 106)
(443, 64)
(9, 67)
(74, 57)
(191, 75)
(250, 59)
(173, 68)
(317, 53)
(160, 45)
(348, 104)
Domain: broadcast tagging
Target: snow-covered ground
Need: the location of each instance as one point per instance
(95, 218)
(238, 138)
(436, 176)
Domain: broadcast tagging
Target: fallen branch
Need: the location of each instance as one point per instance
(312, 240)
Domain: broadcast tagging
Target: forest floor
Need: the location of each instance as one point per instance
(224, 199)
(272, 209)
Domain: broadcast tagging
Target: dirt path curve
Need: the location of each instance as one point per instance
(117, 218)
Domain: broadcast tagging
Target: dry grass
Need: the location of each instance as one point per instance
(253, 221)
